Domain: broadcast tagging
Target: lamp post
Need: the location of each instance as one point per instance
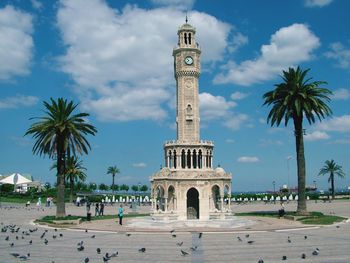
(139, 188)
(315, 185)
(288, 159)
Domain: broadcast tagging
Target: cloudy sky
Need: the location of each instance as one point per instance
(114, 58)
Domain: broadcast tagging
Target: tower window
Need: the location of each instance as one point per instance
(189, 38)
(185, 38)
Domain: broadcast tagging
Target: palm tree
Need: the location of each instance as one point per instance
(295, 98)
(59, 133)
(113, 170)
(332, 169)
(75, 171)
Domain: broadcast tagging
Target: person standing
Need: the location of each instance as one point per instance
(121, 214)
(97, 210)
(102, 208)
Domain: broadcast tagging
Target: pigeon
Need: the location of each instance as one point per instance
(305, 237)
(30, 242)
(80, 248)
(7, 238)
(289, 241)
(24, 257)
(250, 242)
(54, 236)
(16, 255)
(200, 235)
(80, 243)
(239, 239)
(247, 235)
(93, 236)
(173, 235)
(180, 244)
(46, 241)
(284, 257)
(16, 237)
(61, 235)
(128, 234)
(316, 252)
(143, 250)
(105, 259)
(184, 253)
(261, 261)
(86, 260)
(172, 231)
(55, 229)
(86, 230)
(115, 254)
(303, 256)
(12, 244)
(98, 250)
(194, 248)
(337, 226)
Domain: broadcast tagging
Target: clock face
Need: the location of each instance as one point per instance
(189, 60)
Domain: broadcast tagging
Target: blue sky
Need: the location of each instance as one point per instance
(115, 59)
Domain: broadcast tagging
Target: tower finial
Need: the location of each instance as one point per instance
(186, 18)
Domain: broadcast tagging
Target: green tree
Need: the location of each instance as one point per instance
(57, 134)
(103, 187)
(332, 169)
(144, 188)
(75, 171)
(113, 170)
(92, 186)
(115, 188)
(135, 188)
(295, 98)
(124, 187)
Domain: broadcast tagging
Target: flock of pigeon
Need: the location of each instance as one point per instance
(13, 233)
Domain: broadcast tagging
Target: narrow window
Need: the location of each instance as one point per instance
(189, 38)
(185, 38)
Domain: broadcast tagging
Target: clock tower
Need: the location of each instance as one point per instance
(188, 187)
(187, 71)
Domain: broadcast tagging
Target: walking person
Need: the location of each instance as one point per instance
(102, 208)
(121, 214)
(97, 209)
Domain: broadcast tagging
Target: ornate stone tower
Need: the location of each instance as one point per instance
(188, 187)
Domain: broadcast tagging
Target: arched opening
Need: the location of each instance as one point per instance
(194, 161)
(188, 159)
(174, 163)
(160, 198)
(185, 38)
(207, 160)
(215, 196)
(170, 160)
(183, 159)
(171, 198)
(227, 197)
(189, 38)
(200, 164)
(192, 204)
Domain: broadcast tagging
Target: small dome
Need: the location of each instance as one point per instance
(220, 171)
(187, 27)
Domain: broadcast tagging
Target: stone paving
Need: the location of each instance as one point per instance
(270, 239)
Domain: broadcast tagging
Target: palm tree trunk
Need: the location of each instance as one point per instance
(332, 185)
(60, 208)
(113, 183)
(71, 186)
(299, 141)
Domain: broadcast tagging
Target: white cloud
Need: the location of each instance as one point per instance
(117, 57)
(16, 45)
(317, 3)
(340, 54)
(289, 46)
(268, 142)
(248, 159)
(239, 95)
(181, 4)
(18, 101)
(213, 107)
(337, 124)
(316, 136)
(235, 121)
(36, 4)
(262, 121)
(230, 141)
(341, 94)
(139, 165)
(238, 40)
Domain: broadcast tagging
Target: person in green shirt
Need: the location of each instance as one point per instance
(121, 214)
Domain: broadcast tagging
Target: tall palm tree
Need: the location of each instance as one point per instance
(75, 171)
(332, 169)
(297, 98)
(113, 170)
(57, 134)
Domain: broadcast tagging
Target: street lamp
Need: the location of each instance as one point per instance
(288, 159)
(315, 185)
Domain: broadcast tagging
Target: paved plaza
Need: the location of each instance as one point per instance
(268, 238)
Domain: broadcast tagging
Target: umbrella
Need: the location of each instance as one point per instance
(15, 179)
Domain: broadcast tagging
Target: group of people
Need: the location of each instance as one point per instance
(99, 209)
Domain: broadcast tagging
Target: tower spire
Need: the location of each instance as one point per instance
(186, 18)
